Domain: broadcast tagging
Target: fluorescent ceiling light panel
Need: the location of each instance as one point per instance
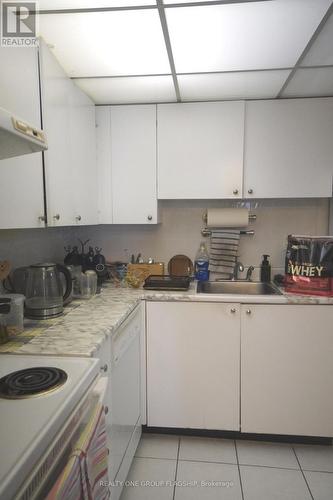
(242, 36)
(244, 85)
(321, 52)
(107, 43)
(90, 4)
(129, 90)
(310, 82)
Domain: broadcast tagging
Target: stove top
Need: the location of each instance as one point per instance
(31, 382)
(32, 421)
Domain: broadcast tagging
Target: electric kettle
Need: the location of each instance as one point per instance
(44, 290)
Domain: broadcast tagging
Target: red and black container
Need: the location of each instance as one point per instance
(309, 265)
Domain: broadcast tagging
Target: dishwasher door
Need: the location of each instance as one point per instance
(125, 388)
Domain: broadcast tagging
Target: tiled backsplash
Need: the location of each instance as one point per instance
(179, 232)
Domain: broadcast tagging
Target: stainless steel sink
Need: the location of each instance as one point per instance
(238, 287)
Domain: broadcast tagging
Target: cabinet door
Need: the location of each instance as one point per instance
(200, 150)
(287, 369)
(133, 164)
(193, 365)
(288, 148)
(104, 184)
(21, 179)
(56, 98)
(83, 157)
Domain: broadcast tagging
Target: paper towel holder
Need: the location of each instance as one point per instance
(252, 217)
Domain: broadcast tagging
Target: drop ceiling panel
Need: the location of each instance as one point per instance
(88, 4)
(242, 36)
(129, 90)
(244, 85)
(310, 83)
(107, 43)
(321, 52)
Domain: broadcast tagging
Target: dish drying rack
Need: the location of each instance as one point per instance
(250, 232)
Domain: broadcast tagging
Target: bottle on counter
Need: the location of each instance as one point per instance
(265, 270)
(202, 263)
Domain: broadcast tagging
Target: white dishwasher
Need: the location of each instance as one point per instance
(125, 398)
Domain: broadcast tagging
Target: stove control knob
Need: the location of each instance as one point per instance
(104, 368)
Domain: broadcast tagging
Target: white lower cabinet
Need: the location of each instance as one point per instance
(258, 368)
(287, 369)
(193, 365)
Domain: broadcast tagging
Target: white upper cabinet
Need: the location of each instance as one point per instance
(21, 179)
(127, 139)
(288, 148)
(83, 157)
(59, 179)
(70, 162)
(200, 150)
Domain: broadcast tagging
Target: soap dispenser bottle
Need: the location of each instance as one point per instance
(265, 270)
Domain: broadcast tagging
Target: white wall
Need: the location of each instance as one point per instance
(178, 233)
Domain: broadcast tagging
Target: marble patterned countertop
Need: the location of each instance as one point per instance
(86, 324)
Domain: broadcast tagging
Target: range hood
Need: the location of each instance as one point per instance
(18, 137)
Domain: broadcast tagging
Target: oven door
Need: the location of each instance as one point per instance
(53, 463)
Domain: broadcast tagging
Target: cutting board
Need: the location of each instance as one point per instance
(145, 270)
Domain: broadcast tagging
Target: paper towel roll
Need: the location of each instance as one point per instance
(227, 217)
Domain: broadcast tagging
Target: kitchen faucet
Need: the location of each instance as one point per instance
(237, 268)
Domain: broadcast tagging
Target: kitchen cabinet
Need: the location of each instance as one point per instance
(287, 369)
(83, 158)
(193, 365)
(288, 148)
(59, 179)
(21, 186)
(200, 150)
(70, 161)
(128, 164)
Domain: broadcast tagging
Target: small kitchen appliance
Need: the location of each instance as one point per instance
(44, 292)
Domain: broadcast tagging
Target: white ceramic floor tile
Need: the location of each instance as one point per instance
(158, 446)
(315, 457)
(269, 454)
(154, 470)
(207, 481)
(321, 484)
(207, 450)
(263, 483)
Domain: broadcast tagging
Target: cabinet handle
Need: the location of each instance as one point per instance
(42, 218)
(250, 191)
(233, 310)
(104, 368)
(150, 217)
(248, 311)
(56, 217)
(106, 410)
(235, 191)
(78, 218)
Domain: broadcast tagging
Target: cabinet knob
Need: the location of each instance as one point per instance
(104, 368)
(150, 217)
(106, 410)
(248, 311)
(233, 310)
(235, 191)
(250, 191)
(56, 217)
(78, 218)
(42, 218)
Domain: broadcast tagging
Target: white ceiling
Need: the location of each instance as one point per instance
(134, 51)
